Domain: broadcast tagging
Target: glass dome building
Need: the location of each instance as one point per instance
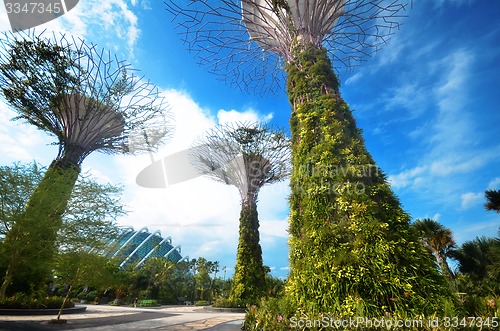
(132, 248)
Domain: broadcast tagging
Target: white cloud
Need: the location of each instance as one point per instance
(487, 228)
(409, 96)
(96, 174)
(109, 23)
(471, 199)
(407, 177)
(354, 78)
(23, 142)
(494, 184)
(250, 115)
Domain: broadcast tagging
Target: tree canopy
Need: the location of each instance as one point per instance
(492, 200)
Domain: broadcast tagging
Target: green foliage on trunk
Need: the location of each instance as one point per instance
(249, 276)
(351, 249)
(30, 245)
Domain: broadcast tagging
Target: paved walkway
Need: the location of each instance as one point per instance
(103, 317)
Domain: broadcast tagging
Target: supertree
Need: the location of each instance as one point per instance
(89, 101)
(247, 156)
(351, 249)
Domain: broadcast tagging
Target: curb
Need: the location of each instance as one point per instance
(225, 310)
(23, 312)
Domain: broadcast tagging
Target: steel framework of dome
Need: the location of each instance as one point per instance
(133, 248)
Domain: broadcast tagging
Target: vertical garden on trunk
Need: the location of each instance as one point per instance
(351, 249)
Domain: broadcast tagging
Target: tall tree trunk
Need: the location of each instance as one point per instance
(443, 265)
(249, 276)
(29, 246)
(66, 297)
(5, 283)
(349, 238)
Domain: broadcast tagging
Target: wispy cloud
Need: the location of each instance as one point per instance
(249, 115)
(23, 142)
(471, 199)
(457, 3)
(449, 138)
(494, 184)
(109, 23)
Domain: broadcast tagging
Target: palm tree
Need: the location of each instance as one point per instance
(247, 156)
(438, 240)
(89, 101)
(493, 200)
(476, 257)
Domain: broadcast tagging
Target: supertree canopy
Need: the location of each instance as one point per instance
(87, 98)
(90, 101)
(248, 42)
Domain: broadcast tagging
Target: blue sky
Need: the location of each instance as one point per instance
(427, 102)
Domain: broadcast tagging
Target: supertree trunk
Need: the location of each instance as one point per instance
(350, 244)
(33, 234)
(249, 276)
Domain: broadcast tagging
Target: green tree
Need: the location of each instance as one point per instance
(202, 278)
(17, 183)
(477, 258)
(247, 156)
(91, 214)
(478, 272)
(89, 102)
(438, 240)
(159, 273)
(81, 267)
(492, 200)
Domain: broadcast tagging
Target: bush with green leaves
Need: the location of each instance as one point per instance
(24, 301)
(228, 303)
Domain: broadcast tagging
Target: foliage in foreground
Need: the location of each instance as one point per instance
(476, 303)
(279, 314)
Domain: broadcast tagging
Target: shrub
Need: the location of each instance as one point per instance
(202, 303)
(23, 301)
(91, 296)
(228, 303)
(148, 303)
(272, 314)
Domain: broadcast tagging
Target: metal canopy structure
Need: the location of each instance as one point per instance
(247, 42)
(274, 29)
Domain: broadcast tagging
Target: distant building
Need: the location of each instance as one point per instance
(132, 248)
